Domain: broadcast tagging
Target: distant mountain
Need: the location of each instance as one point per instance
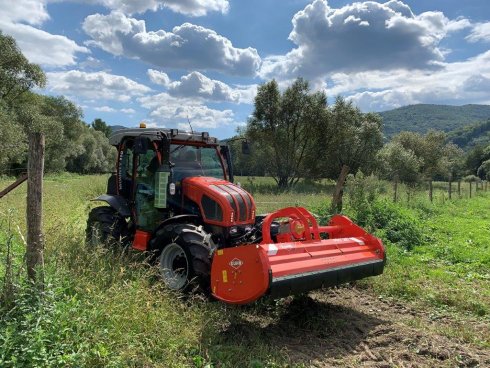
(472, 135)
(420, 118)
(116, 127)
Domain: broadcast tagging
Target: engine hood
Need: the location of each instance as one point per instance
(221, 202)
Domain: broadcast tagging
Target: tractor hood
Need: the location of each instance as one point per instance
(221, 203)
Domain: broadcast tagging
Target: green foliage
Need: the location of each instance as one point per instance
(106, 308)
(435, 157)
(17, 75)
(100, 125)
(392, 222)
(282, 126)
(399, 163)
(347, 137)
(472, 135)
(423, 117)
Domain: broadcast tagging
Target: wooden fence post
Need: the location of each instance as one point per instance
(459, 188)
(450, 189)
(470, 189)
(430, 190)
(35, 241)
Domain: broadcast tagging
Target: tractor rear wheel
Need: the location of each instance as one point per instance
(184, 262)
(105, 226)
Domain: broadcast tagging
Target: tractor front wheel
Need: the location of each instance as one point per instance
(185, 263)
(175, 266)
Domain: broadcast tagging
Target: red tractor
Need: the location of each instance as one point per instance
(173, 195)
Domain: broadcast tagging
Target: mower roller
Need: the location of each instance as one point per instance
(172, 195)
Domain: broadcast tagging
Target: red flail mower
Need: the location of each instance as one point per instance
(173, 195)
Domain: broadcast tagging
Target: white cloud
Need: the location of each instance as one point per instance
(480, 32)
(41, 47)
(193, 8)
(456, 83)
(128, 111)
(158, 77)
(187, 46)
(175, 112)
(361, 36)
(111, 109)
(198, 85)
(95, 86)
(38, 46)
(29, 11)
(105, 109)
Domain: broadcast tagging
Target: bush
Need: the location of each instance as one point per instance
(396, 224)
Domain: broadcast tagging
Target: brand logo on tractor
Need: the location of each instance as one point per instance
(236, 263)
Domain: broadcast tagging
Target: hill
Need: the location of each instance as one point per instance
(422, 117)
(116, 127)
(471, 135)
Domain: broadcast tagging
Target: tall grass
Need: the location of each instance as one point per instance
(107, 308)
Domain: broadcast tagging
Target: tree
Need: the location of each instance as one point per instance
(17, 75)
(100, 125)
(400, 165)
(437, 157)
(347, 141)
(283, 125)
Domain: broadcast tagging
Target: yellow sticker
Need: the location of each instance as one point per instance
(214, 289)
(225, 276)
(220, 252)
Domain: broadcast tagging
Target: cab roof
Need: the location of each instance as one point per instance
(157, 133)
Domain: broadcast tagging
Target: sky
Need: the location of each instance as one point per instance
(174, 62)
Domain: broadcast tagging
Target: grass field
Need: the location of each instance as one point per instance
(107, 308)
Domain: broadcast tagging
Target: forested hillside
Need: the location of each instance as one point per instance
(471, 135)
(422, 117)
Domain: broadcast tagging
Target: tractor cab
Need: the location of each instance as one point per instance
(151, 168)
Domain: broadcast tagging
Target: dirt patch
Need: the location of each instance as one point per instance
(348, 327)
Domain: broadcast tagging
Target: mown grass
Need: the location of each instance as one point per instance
(107, 308)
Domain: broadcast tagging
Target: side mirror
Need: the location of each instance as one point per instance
(141, 145)
(245, 148)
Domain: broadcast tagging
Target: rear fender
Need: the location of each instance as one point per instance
(120, 204)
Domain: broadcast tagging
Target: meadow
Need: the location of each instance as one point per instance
(107, 307)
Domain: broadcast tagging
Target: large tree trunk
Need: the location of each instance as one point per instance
(339, 190)
(35, 241)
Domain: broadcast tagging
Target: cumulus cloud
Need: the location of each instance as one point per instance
(95, 86)
(197, 85)
(104, 109)
(187, 46)
(193, 8)
(456, 83)
(38, 46)
(170, 111)
(480, 32)
(158, 77)
(361, 36)
(111, 109)
(29, 11)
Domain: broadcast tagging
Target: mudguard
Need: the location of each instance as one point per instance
(117, 202)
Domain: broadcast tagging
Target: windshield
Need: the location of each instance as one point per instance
(195, 161)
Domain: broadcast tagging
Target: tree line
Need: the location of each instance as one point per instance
(296, 134)
(71, 144)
